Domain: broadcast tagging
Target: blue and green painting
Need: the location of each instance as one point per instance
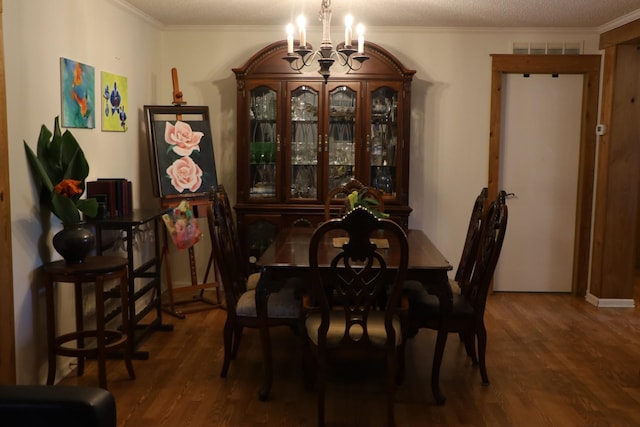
(78, 94)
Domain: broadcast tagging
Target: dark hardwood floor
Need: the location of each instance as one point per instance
(553, 360)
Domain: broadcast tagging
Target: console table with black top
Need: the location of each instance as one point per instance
(149, 269)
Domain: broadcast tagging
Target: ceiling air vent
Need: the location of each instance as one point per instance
(552, 48)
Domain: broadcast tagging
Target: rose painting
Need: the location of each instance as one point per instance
(184, 160)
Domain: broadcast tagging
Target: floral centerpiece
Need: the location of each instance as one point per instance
(362, 198)
(59, 170)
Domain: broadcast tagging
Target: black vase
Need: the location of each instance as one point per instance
(74, 242)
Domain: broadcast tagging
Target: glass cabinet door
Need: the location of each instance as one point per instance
(341, 136)
(262, 142)
(383, 139)
(304, 148)
(261, 231)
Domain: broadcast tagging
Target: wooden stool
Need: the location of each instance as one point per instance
(95, 269)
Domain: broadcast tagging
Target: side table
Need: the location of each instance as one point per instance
(98, 270)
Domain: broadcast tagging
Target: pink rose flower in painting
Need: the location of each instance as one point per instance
(185, 174)
(183, 139)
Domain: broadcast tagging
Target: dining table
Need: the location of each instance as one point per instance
(288, 256)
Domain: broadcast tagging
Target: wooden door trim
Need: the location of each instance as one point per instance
(625, 34)
(7, 322)
(615, 235)
(589, 67)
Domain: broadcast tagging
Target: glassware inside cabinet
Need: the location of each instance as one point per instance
(342, 123)
(262, 142)
(383, 139)
(304, 143)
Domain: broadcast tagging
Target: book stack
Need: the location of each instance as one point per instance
(113, 196)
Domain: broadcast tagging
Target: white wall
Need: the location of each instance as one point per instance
(37, 33)
(449, 132)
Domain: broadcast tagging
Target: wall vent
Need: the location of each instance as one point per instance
(551, 48)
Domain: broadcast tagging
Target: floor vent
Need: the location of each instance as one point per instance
(557, 48)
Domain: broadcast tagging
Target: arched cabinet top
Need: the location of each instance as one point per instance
(269, 63)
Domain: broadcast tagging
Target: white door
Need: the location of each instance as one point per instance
(539, 164)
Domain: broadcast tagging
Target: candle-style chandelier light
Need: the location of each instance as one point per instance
(303, 54)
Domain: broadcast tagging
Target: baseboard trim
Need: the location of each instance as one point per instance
(610, 302)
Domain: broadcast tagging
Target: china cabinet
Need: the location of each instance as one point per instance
(299, 137)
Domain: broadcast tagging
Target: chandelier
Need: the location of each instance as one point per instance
(346, 54)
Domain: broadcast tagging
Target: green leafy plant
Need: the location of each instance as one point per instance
(364, 199)
(59, 170)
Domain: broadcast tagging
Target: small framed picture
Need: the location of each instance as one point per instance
(115, 102)
(77, 94)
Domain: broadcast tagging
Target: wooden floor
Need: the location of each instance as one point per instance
(553, 360)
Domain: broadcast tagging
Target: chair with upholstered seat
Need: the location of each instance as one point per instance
(467, 316)
(334, 210)
(350, 324)
(282, 308)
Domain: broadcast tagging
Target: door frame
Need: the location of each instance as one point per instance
(616, 243)
(7, 321)
(589, 67)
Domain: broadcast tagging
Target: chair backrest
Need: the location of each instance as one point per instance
(225, 213)
(493, 229)
(359, 275)
(341, 193)
(473, 233)
(224, 249)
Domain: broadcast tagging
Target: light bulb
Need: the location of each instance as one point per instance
(348, 22)
(360, 31)
(290, 38)
(302, 22)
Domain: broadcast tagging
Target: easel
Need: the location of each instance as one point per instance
(167, 202)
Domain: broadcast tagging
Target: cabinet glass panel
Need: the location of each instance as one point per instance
(304, 143)
(262, 143)
(261, 234)
(342, 124)
(384, 136)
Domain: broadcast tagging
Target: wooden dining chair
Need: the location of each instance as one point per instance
(471, 241)
(226, 216)
(334, 210)
(467, 316)
(243, 309)
(342, 316)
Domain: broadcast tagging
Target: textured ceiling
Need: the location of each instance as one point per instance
(424, 13)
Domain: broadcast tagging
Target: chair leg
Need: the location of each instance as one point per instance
(228, 342)
(400, 375)
(320, 382)
(441, 341)
(469, 340)
(263, 394)
(482, 350)
(309, 367)
(237, 337)
(391, 386)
